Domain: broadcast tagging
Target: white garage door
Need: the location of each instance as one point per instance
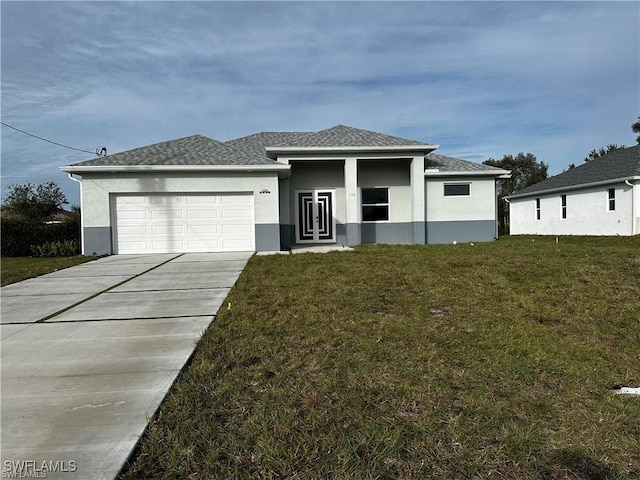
(175, 223)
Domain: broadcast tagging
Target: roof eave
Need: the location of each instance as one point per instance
(425, 148)
(467, 173)
(571, 187)
(174, 168)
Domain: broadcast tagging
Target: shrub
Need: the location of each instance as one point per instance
(66, 248)
(19, 235)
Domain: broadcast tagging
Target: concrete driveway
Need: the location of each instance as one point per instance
(88, 353)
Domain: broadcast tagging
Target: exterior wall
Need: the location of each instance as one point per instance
(350, 230)
(469, 218)
(461, 231)
(97, 211)
(396, 175)
(587, 213)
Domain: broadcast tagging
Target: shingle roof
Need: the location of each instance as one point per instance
(250, 150)
(193, 150)
(621, 163)
(256, 143)
(451, 164)
(343, 136)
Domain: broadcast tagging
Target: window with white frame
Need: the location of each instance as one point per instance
(537, 209)
(457, 189)
(612, 199)
(375, 204)
(564, 206)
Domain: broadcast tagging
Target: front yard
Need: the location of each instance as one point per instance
(488, 361)
(16, 269)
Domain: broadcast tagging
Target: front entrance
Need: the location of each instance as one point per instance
(315, 216)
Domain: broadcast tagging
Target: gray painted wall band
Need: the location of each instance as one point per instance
(97, 240)
(267, 237)
(352, 234)
(461, 231)
(341, 234)
(400, 232)
(286, 236)
(419, 233)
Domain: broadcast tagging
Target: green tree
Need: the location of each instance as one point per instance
(635, 127)
(525, 171)
(35, 202)
(593, 154)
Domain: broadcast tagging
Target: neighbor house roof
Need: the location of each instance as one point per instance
(193, 150)
(620, 164)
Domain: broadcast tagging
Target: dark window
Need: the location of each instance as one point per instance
(564, 206)
(375, 204)
(456, 189)
(612, 199)
(537, 209)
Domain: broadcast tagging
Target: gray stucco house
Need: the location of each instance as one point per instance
(274, 190)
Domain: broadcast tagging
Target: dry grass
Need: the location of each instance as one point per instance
(16, 269)
(486, 361)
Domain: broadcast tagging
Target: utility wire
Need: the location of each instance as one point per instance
(44, 139)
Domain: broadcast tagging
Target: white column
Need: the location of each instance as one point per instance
(418, 204)
(352, 199)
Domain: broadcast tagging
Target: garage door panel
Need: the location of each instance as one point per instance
(204, 214)
(235, 229)
(166, 214)
(203, 229)
(132, 200)
(203, 200)
(232, 213)
(124, 231)
(236, 245)
(132, 215)
(184, 223)
(235, 199)
(194, 245)
(167, 245)
(166, 200)
(166, 230)
(132, 245)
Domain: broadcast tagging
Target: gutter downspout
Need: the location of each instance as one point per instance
(633, 207)
(81, 213)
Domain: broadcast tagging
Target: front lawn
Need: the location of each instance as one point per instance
(16, 269)
(488, 361)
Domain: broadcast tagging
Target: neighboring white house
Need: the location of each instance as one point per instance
(273, 190)
(600, 197)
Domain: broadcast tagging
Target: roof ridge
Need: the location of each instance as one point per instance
(156, 144)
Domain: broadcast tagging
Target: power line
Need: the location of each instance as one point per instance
(50, 141)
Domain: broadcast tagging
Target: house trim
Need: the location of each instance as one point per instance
(474, 173)
(275, 151)
(175, 168)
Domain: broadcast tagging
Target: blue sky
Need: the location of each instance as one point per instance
(480, 79)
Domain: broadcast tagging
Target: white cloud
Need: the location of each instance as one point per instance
(481, 79)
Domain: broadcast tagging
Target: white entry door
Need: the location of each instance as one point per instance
(315, 216)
